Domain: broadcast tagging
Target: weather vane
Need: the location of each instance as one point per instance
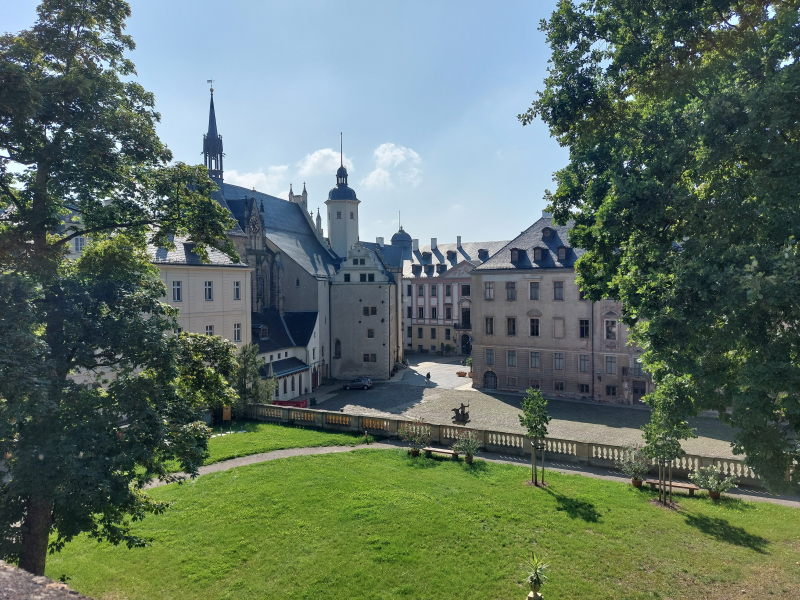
(211, 83)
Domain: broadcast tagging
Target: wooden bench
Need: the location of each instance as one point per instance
(428, 451)
(679, 485)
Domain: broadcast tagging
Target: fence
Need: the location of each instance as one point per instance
(599, 455)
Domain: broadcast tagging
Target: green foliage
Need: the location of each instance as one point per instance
(712, 479)
(96, 394)
(251, 387)
(683, 128)
(534, 417)
(396, 528)
(634, 463)
(468, 362)
(537, 570)
(417, 434)
(467, 445)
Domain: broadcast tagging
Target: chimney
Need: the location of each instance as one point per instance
(433, 243)
(379, 241)
(547, 215)
(414, 245)
(458, 241)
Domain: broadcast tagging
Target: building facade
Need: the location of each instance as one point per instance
(532, 328)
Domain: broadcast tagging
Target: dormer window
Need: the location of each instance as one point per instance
(483, 254)
(441, 268)
(548, 233)
(562, 253)
(426, 256)
(517, 255)
(416, 270)
(538, 254)
(263, 332)
(451, 255)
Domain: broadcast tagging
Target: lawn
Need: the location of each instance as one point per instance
(378, 524)
(247, 438)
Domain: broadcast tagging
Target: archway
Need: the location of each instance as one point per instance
(490, 380)
(466, 344)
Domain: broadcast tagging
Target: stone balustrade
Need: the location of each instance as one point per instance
(502, 442)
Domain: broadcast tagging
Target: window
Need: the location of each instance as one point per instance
(583, 363)
(433, 312)
(371, 277)
(370, 358)
(637, 367)
(347, 277)
(80, 243)
(511, 358)
(536, 360)
(408, 331)
(421, 290)
(237, 290)
(558, 327)
(362, 261)
(562, 253)
(177, 291)
(533, 290)
(434, 292)
(448, 290)
(297, 282)
(511, 326)
(355, 261)
(465, 289)
(536, 384)
(409, 312)
(583, 328)
(511, 381)
(447, 334)
(209, 330)
(611, 329)
(352, 216)
(362, 277)
(558, 361)
(448, 312)
(489, 328)
(338, 214)
(611, 390)
(581, 295)
(489, 356)
(365, 310)
(419, 332)
(284, 385)
(337, 349)
(373, 310)
(237, 332)
(420, 312)
(535, 327)
(511, 290)
(583, 388)
(488, 290)
(611, 365)
(433, 333)
(408, 290)
(538, 254)
(314, 353)
(558, 386)
(208, 291)
(370, 333)
(558, 290)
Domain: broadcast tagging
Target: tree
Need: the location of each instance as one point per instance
(683, 125)
(96, 392)
(251, 387)
(534, 419)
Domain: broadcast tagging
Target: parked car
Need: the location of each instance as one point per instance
(363, 383)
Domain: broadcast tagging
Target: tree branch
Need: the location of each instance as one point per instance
(81, 232)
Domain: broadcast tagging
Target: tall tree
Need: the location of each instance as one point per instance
(534, 419)
(682, 118)
(251, 387)
(95, 392)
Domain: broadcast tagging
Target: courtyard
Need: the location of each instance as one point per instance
(409, 394)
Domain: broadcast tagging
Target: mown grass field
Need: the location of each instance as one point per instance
(377, 524)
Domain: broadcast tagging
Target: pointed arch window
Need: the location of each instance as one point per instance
(337, 349)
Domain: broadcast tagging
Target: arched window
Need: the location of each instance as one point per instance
(490, 380)
(337, 349)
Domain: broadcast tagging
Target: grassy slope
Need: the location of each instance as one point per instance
(377, 524)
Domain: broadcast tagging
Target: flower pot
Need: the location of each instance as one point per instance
(714, 495)
(636, 482)
(414, 451)
(468, 459)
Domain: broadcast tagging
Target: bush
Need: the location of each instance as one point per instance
(634, 463)
(418, 435)
(709, 478)
(467, 445)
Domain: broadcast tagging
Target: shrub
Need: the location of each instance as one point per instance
(536, 573)
(713, 480)
(467, 445)
(634, 463)
(418, 435)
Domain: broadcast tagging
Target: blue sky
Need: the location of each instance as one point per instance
(425, 91)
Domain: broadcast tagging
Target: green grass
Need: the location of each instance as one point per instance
(378, 524)
(253, 438)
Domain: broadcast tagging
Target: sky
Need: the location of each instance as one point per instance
(426, 93)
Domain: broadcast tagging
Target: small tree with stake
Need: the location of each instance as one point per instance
(663, 435)
(534, 419)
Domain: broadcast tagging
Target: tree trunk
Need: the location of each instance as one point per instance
(543, 449)
(35, 535)
(534, 479)
(670, 482)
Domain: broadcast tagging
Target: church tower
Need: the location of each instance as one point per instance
(342, 206)
(212, 145)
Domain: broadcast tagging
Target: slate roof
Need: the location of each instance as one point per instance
(300, 326)
(183, 254)
(390, 256)
(532, 238)
(278, 336)
(466, 251)
(286, 226)
(286, 366)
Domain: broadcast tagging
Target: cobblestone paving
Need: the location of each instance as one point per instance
(410, 395)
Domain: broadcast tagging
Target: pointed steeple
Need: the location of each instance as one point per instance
(212, 144)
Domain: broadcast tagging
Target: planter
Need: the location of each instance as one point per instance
(635, 482)
(468, 458)
(714, 495)
(469, 374)
(414, 451)
(461, 373)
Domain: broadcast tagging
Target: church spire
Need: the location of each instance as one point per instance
(212, 143)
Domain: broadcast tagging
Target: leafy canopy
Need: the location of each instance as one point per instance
(534, 417)
(682, 118)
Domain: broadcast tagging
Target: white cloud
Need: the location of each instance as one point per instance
(394, 164)
(273, 181)
(324, 161)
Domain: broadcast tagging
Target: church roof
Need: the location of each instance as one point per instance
(285, 225)
(183, 254)
(300, 326)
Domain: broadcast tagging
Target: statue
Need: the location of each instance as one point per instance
(460, 415)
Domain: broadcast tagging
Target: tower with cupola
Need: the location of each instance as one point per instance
(342, 206)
